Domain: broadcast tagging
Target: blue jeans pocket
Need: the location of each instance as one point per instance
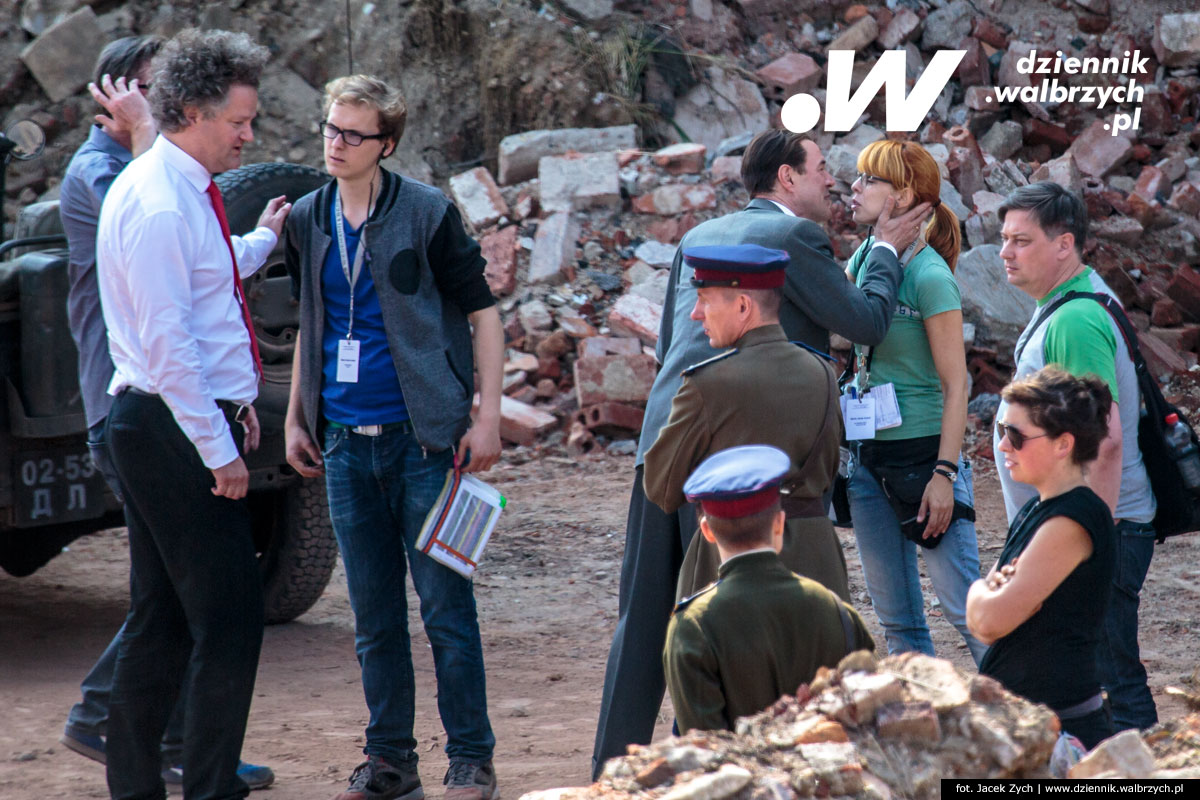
(334, 437)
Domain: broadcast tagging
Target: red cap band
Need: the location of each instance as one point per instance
(772, 279)
(735, 508)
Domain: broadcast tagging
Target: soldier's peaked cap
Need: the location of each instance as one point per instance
(738, 481)
(744, 266)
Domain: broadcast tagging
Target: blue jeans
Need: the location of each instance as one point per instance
(889, 563)
(380, 489)
(1120, 665)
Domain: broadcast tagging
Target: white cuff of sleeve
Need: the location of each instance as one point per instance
(888, 245)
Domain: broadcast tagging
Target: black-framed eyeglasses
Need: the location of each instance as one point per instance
(352, 138)
(867, 180)
(1015, 437)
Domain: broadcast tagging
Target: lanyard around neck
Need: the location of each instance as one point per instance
(351, 271)
(866, 353)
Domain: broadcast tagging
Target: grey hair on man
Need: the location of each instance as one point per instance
(196, 69)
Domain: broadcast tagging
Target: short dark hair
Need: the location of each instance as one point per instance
(124, 57)
(744, 531)
(1056, 209)
(766, 153)
(1059, 402)
(198, 68)
(769, 300)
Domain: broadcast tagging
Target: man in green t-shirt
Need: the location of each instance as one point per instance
(1044, 228)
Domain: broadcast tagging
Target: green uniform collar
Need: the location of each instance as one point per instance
(772, 332)
(1084, 279)
(749, 562)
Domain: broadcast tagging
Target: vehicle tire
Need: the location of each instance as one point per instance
(297, 550)
(245, 191)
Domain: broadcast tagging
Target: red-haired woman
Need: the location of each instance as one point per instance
(911, 485)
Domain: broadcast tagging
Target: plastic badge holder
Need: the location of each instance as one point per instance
(460, 523)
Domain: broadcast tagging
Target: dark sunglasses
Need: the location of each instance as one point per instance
(352, 138)
(1015, 437)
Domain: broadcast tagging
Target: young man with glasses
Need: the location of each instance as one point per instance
(1044, 228)
(395, 315)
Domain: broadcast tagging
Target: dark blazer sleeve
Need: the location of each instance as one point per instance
(292, 252)
(680, 446)
(818, 286)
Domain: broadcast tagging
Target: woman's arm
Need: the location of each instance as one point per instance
(1057, 548)
(950, 358)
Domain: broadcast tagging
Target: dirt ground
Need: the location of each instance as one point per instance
(548, 601)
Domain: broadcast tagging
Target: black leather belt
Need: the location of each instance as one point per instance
(234, 411)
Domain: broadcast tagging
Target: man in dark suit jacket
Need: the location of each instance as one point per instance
(785, 174)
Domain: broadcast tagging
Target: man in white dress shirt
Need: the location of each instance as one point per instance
(187, 371)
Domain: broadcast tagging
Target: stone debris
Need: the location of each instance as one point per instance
(521, 153)
(478, 198)
(63, 56)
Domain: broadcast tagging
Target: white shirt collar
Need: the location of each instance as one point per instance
(191, 169)
(782, 207)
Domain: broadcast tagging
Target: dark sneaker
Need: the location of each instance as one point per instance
(466, 781)
(255, 776)
(375, 779)
(86, 744)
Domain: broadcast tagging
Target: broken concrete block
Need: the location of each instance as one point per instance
(1063, 170)
(637, 317)
(1122, 756)
(1184, 289)
(478, 197)
(499, 249)
(614, 379)
(679, 159)
(1150, 183)
(946, 26)
(1186, 198)
(656, 254)
(999, 310)
(1177, 39)
(868, 692)
(857, 36)
(903, 25)
(721, 106)
(596, 346)
(1003, 139)
(574, 325)
(726, 168)
(1097, 152)
(534, 316)
(676, 198)
(789, 75)
(579, 181)
(591, 10)
(609, 419)
(725, 782)
(909, 721)
(553, 248)
(63, 57)
(1120, 229)
(520, 153)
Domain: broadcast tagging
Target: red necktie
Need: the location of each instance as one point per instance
(219, 207)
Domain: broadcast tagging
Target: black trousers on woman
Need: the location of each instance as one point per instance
(196, 611)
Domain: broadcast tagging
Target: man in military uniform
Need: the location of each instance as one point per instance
(764, 390)
(759, 631)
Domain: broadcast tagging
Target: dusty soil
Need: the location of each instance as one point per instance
(548, 600)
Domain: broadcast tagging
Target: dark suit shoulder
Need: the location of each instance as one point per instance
(709, 361)
(687, 601)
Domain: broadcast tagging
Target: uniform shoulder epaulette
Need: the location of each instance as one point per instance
(814, 350)
(682, 604)
(707, 361)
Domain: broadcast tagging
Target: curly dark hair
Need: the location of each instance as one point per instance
(196, 70)
(1059, 402)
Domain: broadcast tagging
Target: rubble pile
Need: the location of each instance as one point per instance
(892, 728)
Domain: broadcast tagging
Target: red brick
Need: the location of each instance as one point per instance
(546, 388)
(1184, 289)
(676, 198)
(683, 158)
(1161, 359)
(636, 316)
(522, 423)
(627, 157)
(671, 229)
(521, 362)
(789, 75)
(514, 381)
(1166, 313)
(909, 721)
(1181, 340)
(556, 345)
(981, 98)
(1186, 198)
(974, 69)
(854, 13)
(610, 419)
(576, 327)
(1040, 132)
(478, 197)
(580, 441)
(553, 249)
(900, 29)
(620, 379)
(597, 346)
(988, 31)
(654, 773)
(500, 251)
(1150, 183)
(549, 368)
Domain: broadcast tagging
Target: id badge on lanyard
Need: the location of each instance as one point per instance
(348, 348)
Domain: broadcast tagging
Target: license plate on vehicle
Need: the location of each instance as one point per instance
(53, 486)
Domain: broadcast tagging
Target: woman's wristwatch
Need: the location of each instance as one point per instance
(947, 469)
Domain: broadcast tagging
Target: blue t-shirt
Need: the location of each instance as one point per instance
(377, 398)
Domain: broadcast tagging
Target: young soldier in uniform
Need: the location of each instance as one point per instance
(760, 631)
(763, 390)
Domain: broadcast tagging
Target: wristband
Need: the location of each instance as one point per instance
(950, 465)
(947, 474)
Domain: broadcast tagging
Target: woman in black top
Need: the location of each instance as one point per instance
(1042, 606)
